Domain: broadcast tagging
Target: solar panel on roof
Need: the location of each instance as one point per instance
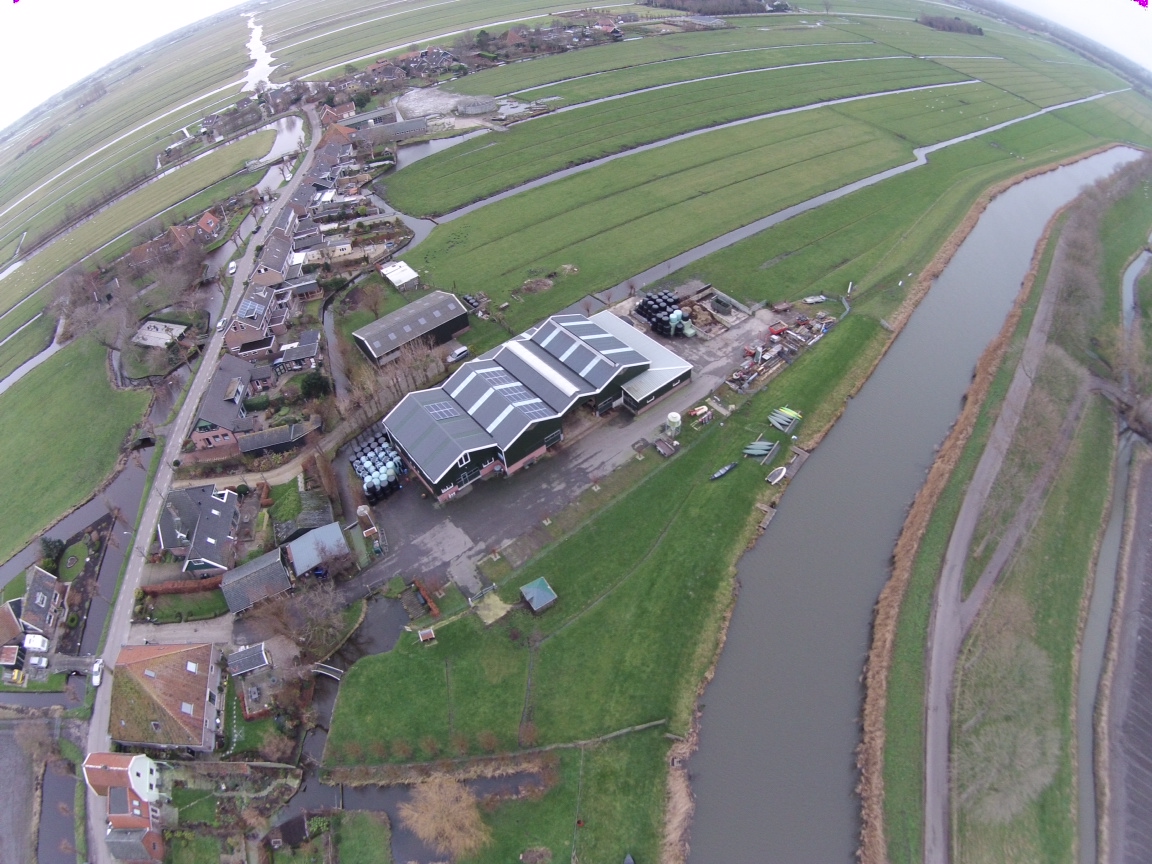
(497, 376)
(442, 410)
(535, 410)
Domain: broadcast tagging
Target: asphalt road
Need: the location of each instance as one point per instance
(120, 619)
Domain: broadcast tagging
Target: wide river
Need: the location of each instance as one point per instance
(775, 774)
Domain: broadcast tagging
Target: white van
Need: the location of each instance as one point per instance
(459, 354)
(35, 643)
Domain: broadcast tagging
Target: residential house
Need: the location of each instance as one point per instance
(438, 316)
(262, 315)
(428, 62)
(259, 579)
(43, 601)
(208, 226)
(301, 354)
(305, 289)
(318, 546)
(11, 630)
(199, 524)
(222, 413)
(329, 250)
(503, 411)
(167, 246)
(135, 844)
(167, 697)
(387, 70)
(333, 115)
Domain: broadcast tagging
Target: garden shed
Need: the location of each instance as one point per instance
(538, 594)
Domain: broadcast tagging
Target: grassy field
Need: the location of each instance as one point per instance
(363, 838)
(26, 345)
(1015, 783)
(189, 848)
(626, 216)
(196, 806)
(483, 166)
(170, 608)
(600, 59)
(56, 461)
(126, 214)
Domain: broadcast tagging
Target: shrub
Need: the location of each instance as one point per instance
(259, 402)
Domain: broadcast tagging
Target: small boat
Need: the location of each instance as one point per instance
(724, 470)
(783, 422)
(814, 299)
(776, 475)
(790, 412)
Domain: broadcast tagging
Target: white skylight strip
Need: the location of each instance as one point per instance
(550, 337)
(617, 350)
(492, 426)
(564, 357)
(543, 370)
(479, 402)
(584, 372)
(460, 387)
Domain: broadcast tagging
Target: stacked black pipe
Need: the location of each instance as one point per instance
(661, 309)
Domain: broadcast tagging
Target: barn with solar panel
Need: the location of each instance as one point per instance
(502, 411)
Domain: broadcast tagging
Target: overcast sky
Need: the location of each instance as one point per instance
(46, 45)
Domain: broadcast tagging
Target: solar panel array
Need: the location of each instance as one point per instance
(442, 410)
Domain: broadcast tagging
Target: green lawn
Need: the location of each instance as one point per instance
(15, 588)
(196, 806)
(63, 427)
(79, 551)
(189, 848)
(246, 735)
(126, 214)
(485, 165)
(171, 608)
(286, 501)
(363, 838)
(1031, 632)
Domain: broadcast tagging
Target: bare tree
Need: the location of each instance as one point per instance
(312, 618)
(444, 814)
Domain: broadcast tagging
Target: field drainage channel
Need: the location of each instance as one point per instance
(775, 775)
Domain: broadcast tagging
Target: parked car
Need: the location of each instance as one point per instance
(232, 268)
(459, 354)
(39, 661)
(35, 643)
(98, 672)
(221, 324)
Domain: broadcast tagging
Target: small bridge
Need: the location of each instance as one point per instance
(330, 671)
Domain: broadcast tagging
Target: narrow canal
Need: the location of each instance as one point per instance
(775, 774)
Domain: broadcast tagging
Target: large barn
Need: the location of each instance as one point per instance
(502, 411)
(438, 316)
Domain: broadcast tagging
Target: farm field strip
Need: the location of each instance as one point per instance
(104, 147)
(571, 65)
(596, 163)
(477, 169)
(126, 214)
(606, 86)
(682, 59)
(50, 203)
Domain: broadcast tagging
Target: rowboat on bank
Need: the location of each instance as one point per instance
(776, 475)
(724, 470)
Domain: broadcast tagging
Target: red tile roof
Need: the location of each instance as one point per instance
(103, 771)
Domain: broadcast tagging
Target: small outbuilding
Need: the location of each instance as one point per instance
(400, 276)
(538, 594)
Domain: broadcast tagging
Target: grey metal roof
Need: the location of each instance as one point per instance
(127, 844)
(317, 546)
(202, 519)
(257, 580)
(664, 365)
(223, 403)
(435, 431)
(248, 660)
(300, 352)
(358, 120)
(538, 593)
(275, 254)
(277, 435)
(418, 318)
